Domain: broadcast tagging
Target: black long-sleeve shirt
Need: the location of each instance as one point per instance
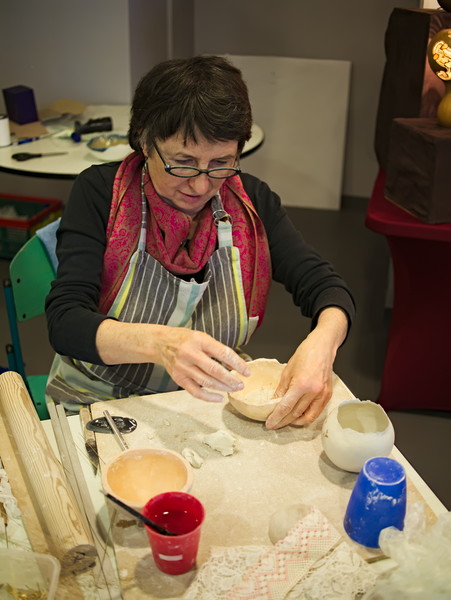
(72, 304)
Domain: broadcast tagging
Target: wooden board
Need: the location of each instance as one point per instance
(9, 455)
(269, 470)
(50, 515)
(43, 474)
(302, 105)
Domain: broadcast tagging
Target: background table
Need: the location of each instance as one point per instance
(416, 370)
(79, 156)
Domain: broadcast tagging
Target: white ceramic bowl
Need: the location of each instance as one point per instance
(355, 431)
(108, 148)
(136, 475)
(256, 401)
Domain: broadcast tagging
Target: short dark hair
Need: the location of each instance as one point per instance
(200, 95)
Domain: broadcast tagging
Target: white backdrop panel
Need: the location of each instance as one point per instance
(302, 106)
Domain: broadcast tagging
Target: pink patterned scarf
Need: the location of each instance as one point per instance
(167, 230)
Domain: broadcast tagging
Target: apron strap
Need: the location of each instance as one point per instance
(143, 231)
(223, 222)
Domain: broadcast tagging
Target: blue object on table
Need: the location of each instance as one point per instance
(378, 500)
(47, 235)
(27, 141)
(20, 104)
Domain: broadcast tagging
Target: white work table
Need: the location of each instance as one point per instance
(78, 155)
(269, 470)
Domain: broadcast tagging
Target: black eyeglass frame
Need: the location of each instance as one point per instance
(172, 168)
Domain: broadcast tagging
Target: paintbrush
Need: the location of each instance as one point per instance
(117, 434)
(138, 515)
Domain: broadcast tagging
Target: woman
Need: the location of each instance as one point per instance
(165, 260)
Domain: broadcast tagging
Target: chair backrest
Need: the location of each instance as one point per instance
(31, 273)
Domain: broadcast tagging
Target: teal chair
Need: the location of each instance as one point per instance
(31, 272)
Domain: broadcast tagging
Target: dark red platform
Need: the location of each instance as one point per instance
(418, 359)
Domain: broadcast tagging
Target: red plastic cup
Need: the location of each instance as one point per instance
(180, 513)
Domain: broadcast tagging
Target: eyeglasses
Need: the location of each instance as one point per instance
(186, 172)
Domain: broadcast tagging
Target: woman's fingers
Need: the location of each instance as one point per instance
(219, 381)
(199, 392)
(305, 385)
(299, 406)
(230, 358)
(196, 361)
(312, 412)
(291, 407)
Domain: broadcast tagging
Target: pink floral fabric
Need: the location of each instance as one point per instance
(168, 228)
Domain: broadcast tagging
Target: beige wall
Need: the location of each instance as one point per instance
(352, 30)
(92, 50)
(66, 50)
(96, 51)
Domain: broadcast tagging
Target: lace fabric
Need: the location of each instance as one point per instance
(223, 570)
(310, 563)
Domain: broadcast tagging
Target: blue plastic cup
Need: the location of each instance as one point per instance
(378, 500)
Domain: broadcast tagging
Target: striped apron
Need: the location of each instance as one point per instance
(151, 294)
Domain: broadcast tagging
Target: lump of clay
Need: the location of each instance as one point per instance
(193, 458)
(256, 400)
(221, 441)
(284, 519)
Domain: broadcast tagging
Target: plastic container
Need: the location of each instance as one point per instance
(27, 215)
(25, 571)
(182, 514)
(378, 500)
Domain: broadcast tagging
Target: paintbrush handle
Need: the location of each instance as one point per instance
(122, 443)
(139, 515)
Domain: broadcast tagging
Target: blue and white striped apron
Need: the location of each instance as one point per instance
(151, 294)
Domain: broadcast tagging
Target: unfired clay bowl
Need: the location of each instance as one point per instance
(355, 431)
(136, 475)
(256, 401)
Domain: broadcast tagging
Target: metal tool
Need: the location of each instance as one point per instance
(101, 425)
(122, 443)
(21, 156)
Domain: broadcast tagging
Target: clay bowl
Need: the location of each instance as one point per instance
(136, 475)
(256, 401)
(356, 431)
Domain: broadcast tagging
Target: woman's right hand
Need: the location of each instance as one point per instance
(199, 363)
(195, 361)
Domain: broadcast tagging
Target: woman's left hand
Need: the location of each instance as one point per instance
(306, 382)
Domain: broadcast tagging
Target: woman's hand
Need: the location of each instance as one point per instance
(306, 382)
(193, 359)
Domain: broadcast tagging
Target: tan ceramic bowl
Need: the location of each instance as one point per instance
(136, 475)
(256, 401)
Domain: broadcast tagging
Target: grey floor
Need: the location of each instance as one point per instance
(362, 257)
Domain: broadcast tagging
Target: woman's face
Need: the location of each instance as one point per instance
(191, 194)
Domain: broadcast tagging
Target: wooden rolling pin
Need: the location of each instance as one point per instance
(43, 474)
